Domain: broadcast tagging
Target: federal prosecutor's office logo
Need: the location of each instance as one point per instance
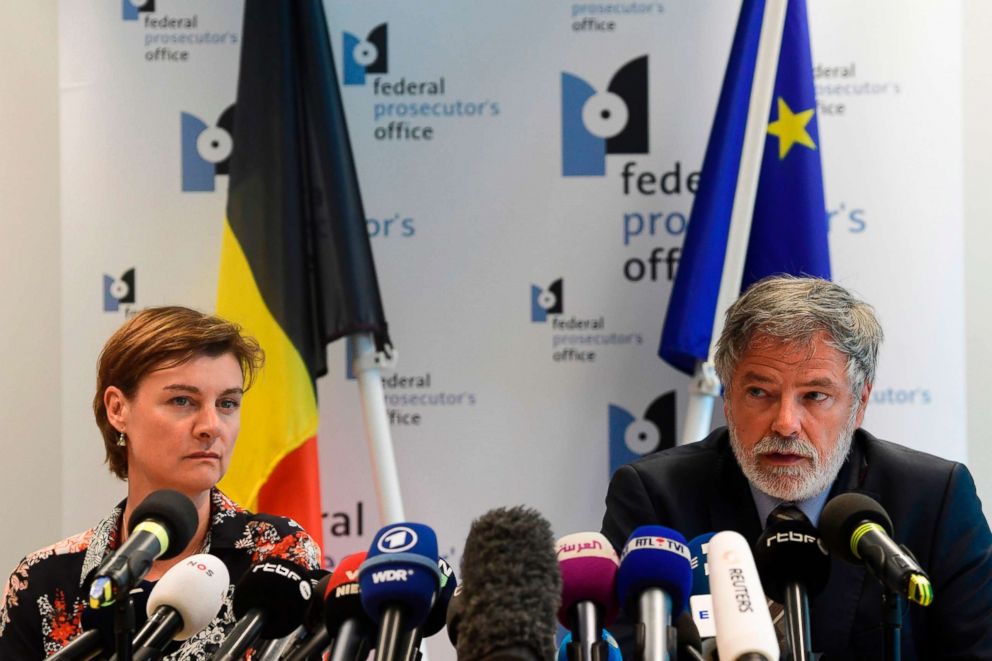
(595, 124)
(364, 56)
(131, 8)
(118, 291)
(631, 438)
(206, 150)
(546, 300)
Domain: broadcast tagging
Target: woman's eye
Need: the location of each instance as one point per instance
(230, 404)
(182, 401)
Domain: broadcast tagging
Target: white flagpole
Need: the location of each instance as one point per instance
(366, 366)
(705, 386)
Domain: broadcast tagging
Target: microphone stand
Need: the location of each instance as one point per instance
(124, 626)
(891, 625)
(587, 642)
(797, 629)
(656, 611)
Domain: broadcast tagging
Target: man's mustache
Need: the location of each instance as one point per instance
(785, 445)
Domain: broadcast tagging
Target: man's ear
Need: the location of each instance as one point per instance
(117, 407)
(862, 404)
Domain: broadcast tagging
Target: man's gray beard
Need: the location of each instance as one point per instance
(800, 481)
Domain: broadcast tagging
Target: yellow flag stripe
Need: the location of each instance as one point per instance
(279, 412)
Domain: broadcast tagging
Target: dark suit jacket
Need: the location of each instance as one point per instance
(699, 488)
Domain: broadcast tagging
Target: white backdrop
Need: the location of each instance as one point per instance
(491, 406)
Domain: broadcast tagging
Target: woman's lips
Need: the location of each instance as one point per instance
(203, 455)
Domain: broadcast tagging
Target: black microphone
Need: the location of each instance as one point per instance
(96, 640)
(687, 641)
(315, 639)
(269, 602)
(436, 618)
(793, 564)
(511, 589)
(160, 527)
(456, 611)
(857, 528)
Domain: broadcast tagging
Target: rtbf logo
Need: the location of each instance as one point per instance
(397, 540)
(131, 8)
(550, 300)
(631, 438)
(362, 56)
(118, 290)
(206, 150)
(594, 124)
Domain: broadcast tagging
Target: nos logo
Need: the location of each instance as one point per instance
(206, 150)
(546, 301)
(118, 290)
(131, 8)
(631, 438)
(362, 56)
(594, 124)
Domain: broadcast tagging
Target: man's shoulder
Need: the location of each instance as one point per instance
(716, 445)
(902, 461)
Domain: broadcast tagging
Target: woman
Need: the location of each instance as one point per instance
(169, 387)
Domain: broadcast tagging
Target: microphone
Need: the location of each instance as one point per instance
(654, 581)
(456, 610)
(344, 617)
(793, 563)
(315, 638)
(612, 647)
(399, 581)
(511, 589)
(436, 618)
(160, 527)
(269, 602)
(588, 566)
(857, 528)
(744, 628)
(95, 641)
(701, 601)
(688, 643)
(183, 601)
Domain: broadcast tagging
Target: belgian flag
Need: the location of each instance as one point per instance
(296, 267)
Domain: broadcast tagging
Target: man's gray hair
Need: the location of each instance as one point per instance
(795, 310)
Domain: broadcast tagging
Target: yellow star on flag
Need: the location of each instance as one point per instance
(790, 128)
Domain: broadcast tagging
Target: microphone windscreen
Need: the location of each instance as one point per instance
(655, 557)
(743, 623)
(790, 551)
(342, 598)
(314, 615)
(401, 570)
(175, 512)
(456, 610)
(511, 587)
(612, 647)
(280, 589)
(439, 611)
(698, 548)
(843, 514)
(588, 566)
(195, 588)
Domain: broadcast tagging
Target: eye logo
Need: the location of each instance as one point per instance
(206, 150)
(131, 8)
(546, 301)
(631, 438)
(594, 124)
(118, 290)
(362, 56)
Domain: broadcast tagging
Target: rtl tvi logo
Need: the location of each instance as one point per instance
(631, 438)
(206, 150)
(550, 300)
(362, 56)
(594, 124)
(117, 291)
(131, 8)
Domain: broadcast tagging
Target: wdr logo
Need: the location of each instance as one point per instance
(131, 8)
(631, 438)
(594, 124)
(546, 301)
(362, 56)
(118, 290)
(206, 150)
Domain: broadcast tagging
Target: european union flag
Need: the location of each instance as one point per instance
(788, 231)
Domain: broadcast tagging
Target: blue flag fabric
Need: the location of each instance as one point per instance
(789, 226)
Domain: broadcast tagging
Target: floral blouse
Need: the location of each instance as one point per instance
(44, 603)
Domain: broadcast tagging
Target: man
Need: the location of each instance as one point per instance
(797, 359)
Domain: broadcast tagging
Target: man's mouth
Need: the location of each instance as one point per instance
(783, 458)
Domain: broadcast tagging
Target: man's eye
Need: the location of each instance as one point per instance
(754, 391)
(816, 396)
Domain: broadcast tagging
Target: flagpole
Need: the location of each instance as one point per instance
(705, 386)
(366, 367)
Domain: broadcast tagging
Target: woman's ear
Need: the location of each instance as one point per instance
(117, 407)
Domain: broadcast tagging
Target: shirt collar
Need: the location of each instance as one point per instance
(811, 507)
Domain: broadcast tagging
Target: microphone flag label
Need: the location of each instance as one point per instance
(656, 544)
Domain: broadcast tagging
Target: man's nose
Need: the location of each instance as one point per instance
(788, 418)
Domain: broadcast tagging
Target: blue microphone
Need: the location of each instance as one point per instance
(701, 601)
(399, 581)
(653, 582)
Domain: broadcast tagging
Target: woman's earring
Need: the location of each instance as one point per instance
(121, 440)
